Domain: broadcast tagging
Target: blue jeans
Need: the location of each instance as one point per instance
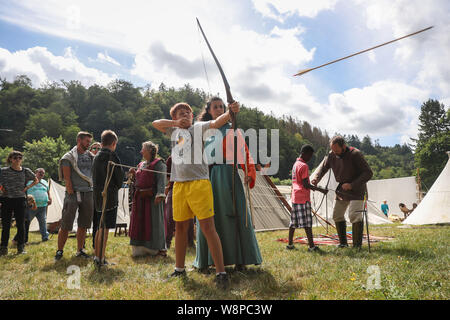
(41, 215)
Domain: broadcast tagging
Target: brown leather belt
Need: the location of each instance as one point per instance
(144, 192)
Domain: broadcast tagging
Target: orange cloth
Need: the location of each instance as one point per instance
(228, 152)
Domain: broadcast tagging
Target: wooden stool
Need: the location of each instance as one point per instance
(120, 226)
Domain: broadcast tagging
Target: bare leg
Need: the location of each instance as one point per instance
(215, 246)
(291, 235)
(62, 238)
(181, 229)
(81, 237)
(310, 237)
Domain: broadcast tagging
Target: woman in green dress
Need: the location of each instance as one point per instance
(236, 233)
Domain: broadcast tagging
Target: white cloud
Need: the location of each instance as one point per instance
(384, 108)
(162, 37)
(281, 9)
(445, 101)
(372, 57)
(425, 56)
(40, 65)
(254, 60)
(104, 57)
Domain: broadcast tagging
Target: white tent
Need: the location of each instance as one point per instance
(394, 191)
(325, 210)
(435, 207)
(269, 212)
(54, 211)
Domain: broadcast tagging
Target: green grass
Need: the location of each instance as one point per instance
(413, 266)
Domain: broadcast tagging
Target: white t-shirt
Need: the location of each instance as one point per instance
(188, 163)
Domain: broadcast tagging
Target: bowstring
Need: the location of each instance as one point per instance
(316, 209)
(203, 58)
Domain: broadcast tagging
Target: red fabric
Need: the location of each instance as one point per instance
(141, 211)
(228, 153)
(299, 172)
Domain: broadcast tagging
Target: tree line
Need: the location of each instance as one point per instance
(44, 123)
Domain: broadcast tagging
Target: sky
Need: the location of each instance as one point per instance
(260, 45)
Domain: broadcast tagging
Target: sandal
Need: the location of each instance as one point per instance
(162, 253)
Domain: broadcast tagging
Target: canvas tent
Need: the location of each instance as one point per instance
(269, 212)
(325, 210)
(394, 191)
(54, 211)
(435, 207)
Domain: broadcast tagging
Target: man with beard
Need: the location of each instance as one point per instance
(75, 168)
(352, 173)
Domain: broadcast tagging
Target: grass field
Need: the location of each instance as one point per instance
(415, 265)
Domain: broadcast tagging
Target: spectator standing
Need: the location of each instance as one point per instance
(14, 181)
(99, 175)
(41, 194)
(147, 232)
(76, 170)
(385, 208)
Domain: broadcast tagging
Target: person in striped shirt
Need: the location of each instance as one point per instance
(14, 180)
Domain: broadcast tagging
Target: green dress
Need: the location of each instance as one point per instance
(239, 248)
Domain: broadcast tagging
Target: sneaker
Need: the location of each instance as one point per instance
(291, 247)
(82, 254)
(3, 251)
(222, 281)
(107, 263)
(341, 246)
(21, 249)
(314, 249)
(46, 239)
(59, 255)
(97, 262)
(178, 274)
(162, 253)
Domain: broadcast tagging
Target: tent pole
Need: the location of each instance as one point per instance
(326, 209)
(367, 227)
(367, 221)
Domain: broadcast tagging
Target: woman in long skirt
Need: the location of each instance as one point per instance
(236, 233)
(147, 234)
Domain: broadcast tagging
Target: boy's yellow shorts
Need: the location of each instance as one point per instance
(192, 198)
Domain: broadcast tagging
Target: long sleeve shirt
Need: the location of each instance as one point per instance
(350, 167)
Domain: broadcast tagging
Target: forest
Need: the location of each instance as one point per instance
(43, 123)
